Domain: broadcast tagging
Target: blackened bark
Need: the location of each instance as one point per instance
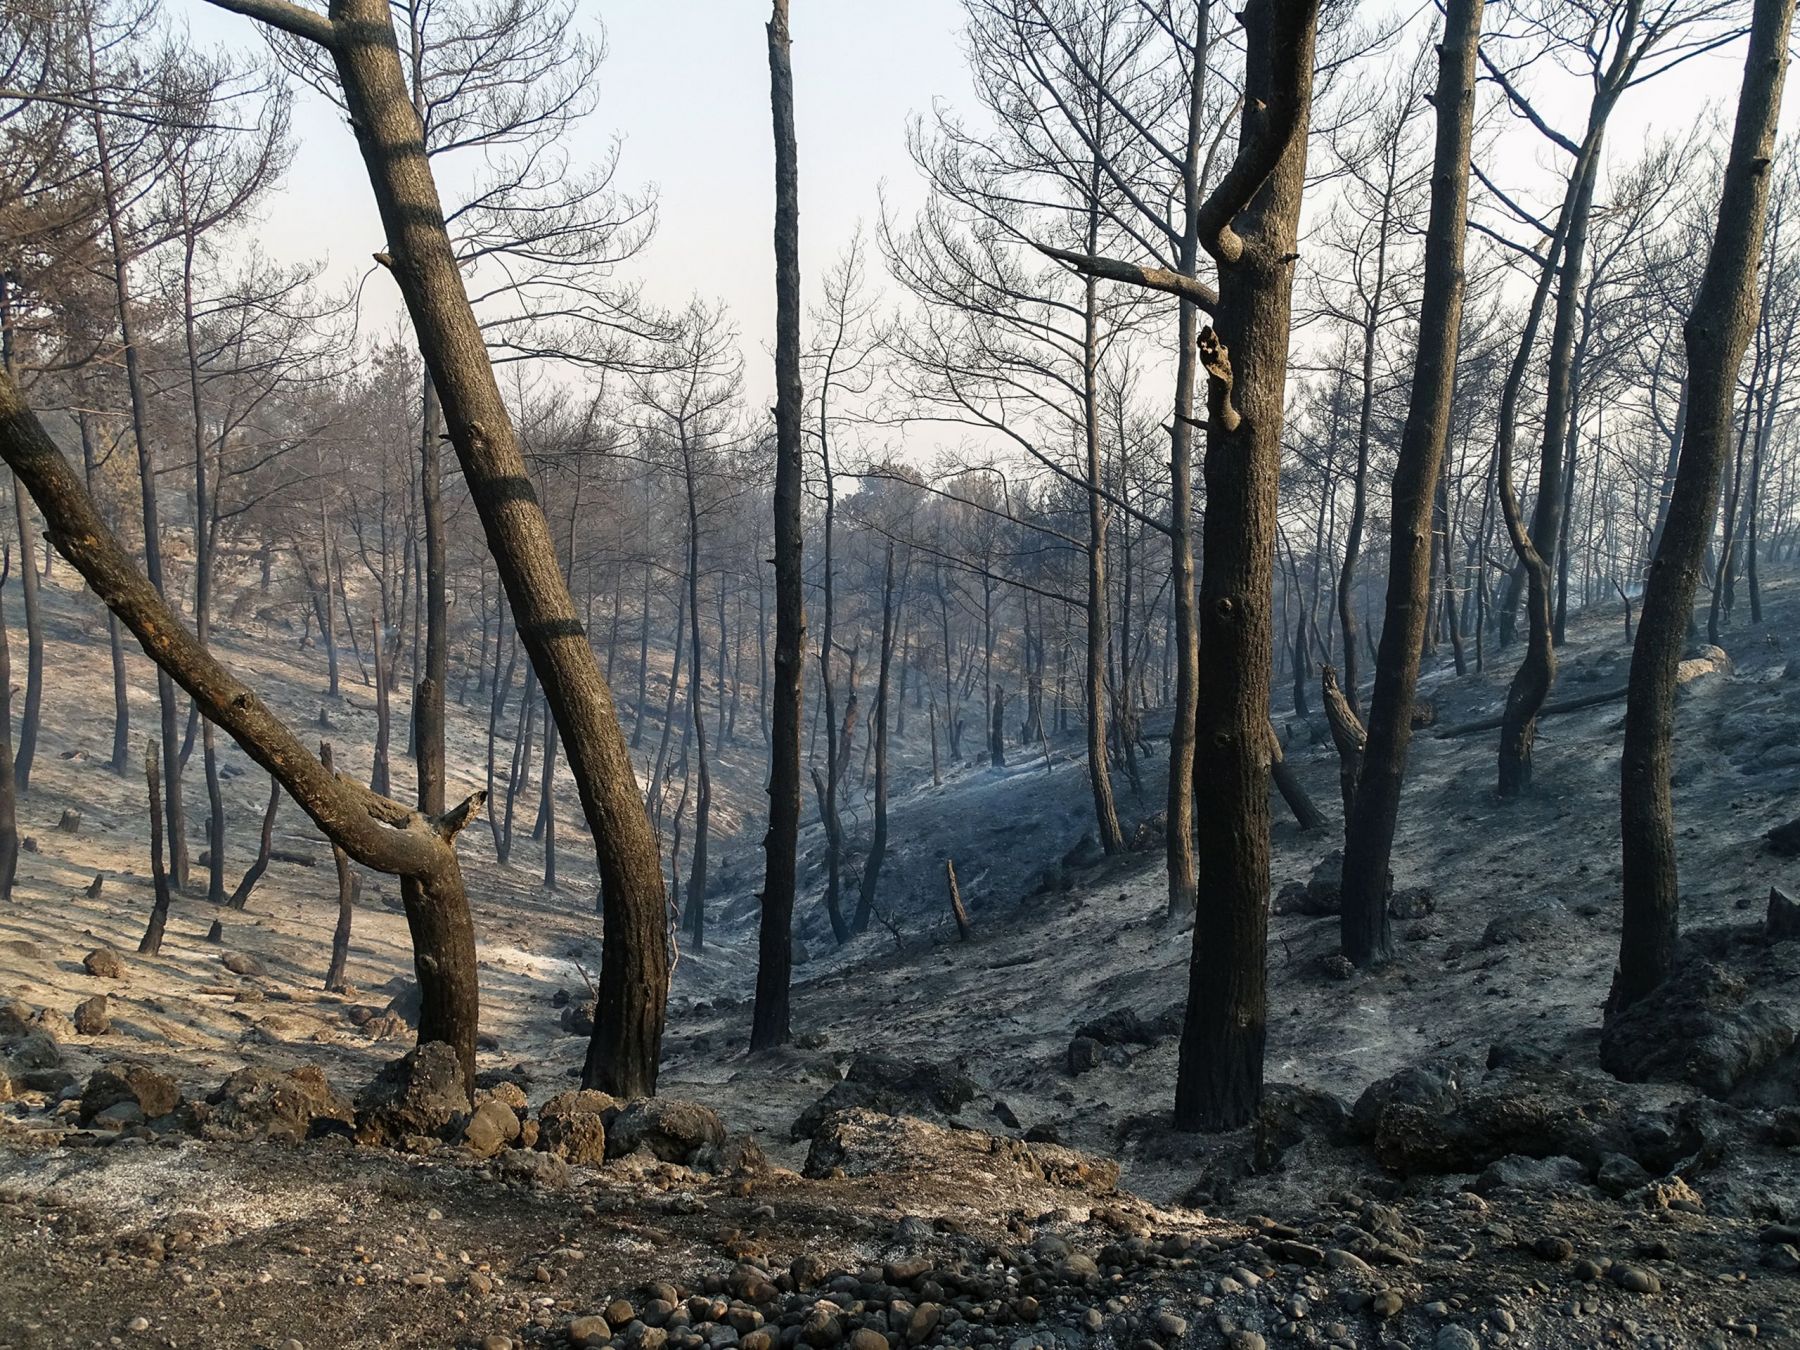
(1417, 489)
(1717, 331)
(428, 694)
(346, 898)
(266, 845)
(376, 832)
(871, 877)
(627, 1043)
(151, 943)
(1249, 224)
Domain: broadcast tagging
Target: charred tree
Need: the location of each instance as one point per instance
(1716, 334)
(1417, 485)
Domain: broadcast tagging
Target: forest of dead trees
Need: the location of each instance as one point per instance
(1231, 366)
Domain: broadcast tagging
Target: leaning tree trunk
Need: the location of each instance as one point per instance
(1536, 550)
(151, 942)
(9, 797)
(1418, 484)
(240, 896)
(1717, 331)
(378, 833)
(871, 877)
(624, 1053)
(346, 898)
(1251, 223)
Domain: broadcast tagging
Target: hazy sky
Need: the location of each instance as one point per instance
(686, 88)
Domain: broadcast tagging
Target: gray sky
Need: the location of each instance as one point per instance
(685, 86)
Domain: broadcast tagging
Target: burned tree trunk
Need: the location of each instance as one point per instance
(1717, 331)
(151, 943)
(247, 883)
(346, 898)
(626, 1048)
(9, 793)
(1347, 735)
(1418, 491)
(865, 904)
(1249, 225)
(376, 832)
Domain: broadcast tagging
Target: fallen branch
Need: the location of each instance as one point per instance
(1565, 705)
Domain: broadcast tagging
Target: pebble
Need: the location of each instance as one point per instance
(1554, 1248)
(1169, 1326)
(1386, 1304)
(1456, 1338)
(866, 1338)
(1339, 1259)
(495, 1340)
(1503, 1321)
(1246, 1340)
(138, 1324)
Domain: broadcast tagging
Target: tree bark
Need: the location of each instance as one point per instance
(151, 943)
(1417, 486)
(624, 1053)
(346, 898)
(378, 833)
(871, 877)
(1250, 224)
(1715, 336)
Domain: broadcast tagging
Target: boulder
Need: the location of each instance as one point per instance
(577, 1019)
(572, 1125)
(36, 1049)
(1701, 1027)
(104, 963)
(151, 1092)
(1084, 1053)
(1554, 1175)
(860, 1143)
(1442, 1118)
(407, 1004)
(1783, 921)
(421, 1093)
(93, 1016)
(1121, 1026)
(1322, 892)
(242, 963)
(671, 1129)
(893, 1086)
(15, 1021)
(260, 1103)
(492, 1126)
(1701, 662)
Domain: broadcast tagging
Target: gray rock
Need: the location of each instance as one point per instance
(491, 1127)
(257, 1103)
(893, 1087)
(93, 1017)
(1618, 1175)
(104, 963)
(421, 1093)
(1453, 1337)
(1701, 1027)
(1530, 1174)
(671, 1129)
(153, 1093)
